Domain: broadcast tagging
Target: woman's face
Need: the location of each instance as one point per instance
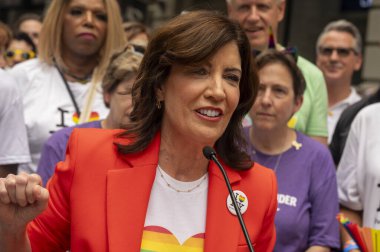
(275, 103)
(199, 100)
(32, 28)
(84, 27)
(18, 51)
(120, 103)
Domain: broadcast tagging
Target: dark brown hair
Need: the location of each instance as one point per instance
(22, 36)
(273, 56)
(26, 17)
(189, 39)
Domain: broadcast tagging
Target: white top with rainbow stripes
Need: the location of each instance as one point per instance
(175, 221)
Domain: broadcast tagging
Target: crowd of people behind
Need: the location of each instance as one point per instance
(106, 131)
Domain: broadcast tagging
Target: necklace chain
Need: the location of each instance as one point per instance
(178, 190)
(295, 144)
(278, 160)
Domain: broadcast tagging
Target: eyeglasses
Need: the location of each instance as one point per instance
(342, 52)
(138, 48)
(24, 54)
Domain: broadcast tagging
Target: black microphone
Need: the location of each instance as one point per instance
(210, 154)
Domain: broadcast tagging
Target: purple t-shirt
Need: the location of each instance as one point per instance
(54, 149)
(307, 195)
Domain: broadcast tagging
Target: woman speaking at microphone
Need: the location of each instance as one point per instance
(150, 188)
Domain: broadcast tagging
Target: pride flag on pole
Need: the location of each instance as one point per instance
(367, 239)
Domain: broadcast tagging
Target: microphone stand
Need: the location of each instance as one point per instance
(211, 155)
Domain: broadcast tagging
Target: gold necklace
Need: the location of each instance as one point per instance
(178, 190)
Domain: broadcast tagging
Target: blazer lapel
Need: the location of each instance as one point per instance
(128, 191)
(222, 228)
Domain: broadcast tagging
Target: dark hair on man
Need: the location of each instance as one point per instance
(189, 39)
(273, 56)
(22, 36)
(25, 17)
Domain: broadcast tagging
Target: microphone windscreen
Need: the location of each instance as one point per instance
(208, 152)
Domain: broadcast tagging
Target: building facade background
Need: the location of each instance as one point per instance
(303, 22)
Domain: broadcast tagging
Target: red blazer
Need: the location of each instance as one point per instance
(99, 198)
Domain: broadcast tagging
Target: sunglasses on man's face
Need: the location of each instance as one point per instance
(24, 54)
(341, 51)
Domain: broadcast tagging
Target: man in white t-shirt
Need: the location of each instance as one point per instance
(339, 55)
(13, 145)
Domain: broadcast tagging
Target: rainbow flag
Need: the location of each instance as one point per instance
(94, 116)
(271, 42)
(367, 239)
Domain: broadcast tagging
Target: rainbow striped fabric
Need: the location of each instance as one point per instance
(158, 239)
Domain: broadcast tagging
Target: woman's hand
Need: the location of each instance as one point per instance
(22, 198)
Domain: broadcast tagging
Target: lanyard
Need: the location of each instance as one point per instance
(69, 91)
